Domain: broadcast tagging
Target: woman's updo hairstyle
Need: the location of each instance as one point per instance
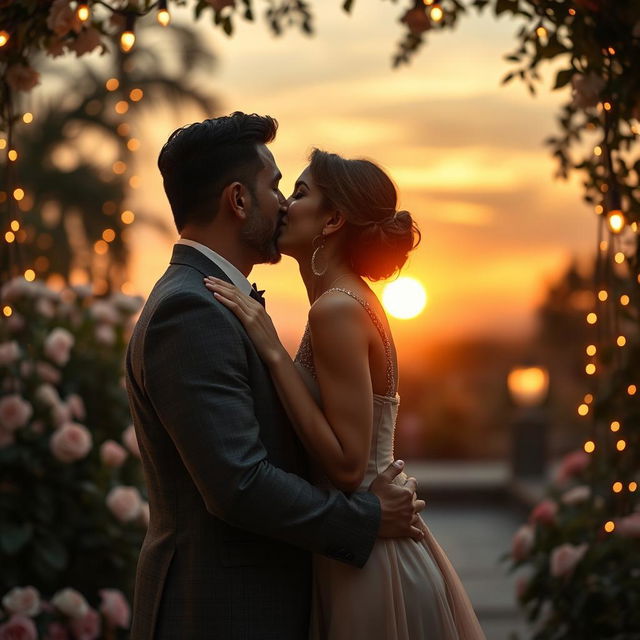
(379, 238)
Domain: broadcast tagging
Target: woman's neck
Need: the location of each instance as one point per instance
(337, 274)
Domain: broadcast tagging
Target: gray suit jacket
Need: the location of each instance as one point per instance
(226, 553)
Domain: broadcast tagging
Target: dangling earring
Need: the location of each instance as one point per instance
(314, 258)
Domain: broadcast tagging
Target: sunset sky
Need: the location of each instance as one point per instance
(466, 153)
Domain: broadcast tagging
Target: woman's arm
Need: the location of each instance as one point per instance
(338, 436)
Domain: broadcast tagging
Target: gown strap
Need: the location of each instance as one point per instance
(391, 378)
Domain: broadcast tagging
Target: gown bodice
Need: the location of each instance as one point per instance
(385, 406)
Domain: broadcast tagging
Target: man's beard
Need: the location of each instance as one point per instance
(260, 235)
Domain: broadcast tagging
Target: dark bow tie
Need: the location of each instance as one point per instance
(256, 294)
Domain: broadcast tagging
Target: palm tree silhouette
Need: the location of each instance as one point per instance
(71, 214)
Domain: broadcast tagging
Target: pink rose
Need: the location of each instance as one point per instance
(522, 542)
(62, 18)
(86, 41)
(131, 441)
(112, 454)
(86, 628)
(48, 372)
(145, 514)
(105, 335)
(125, 503)
(572, 464)
(219, 5)
(14, 412)
(47, 395)
(565, 557)
(57, 346)
(71, 442)
(70, 602)
(417, 20)
(56, 631)
(61, 414)
(18, 628)
(586, 90)
(22, 600)
(16, 288)
(76, 405)
(85, 290)
(629, 526)
(115, 608)
(127, 304)
(9, 352)
(576, 495)
(45, 308)
(544, 513)
(20, 77)
(104, 312)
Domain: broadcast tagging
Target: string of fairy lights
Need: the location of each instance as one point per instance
(616, 278)
(435, 11)
(17, 200)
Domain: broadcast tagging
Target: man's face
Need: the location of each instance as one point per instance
(268, 207)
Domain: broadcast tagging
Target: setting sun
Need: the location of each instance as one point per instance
(404, 298)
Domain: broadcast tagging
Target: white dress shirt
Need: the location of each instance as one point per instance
(232, 272)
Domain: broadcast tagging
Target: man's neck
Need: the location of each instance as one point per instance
(227, 248)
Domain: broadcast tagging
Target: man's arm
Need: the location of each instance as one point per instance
(196, 376)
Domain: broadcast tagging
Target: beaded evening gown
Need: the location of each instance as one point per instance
(407, 590)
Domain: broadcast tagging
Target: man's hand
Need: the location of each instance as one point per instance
(400, 507)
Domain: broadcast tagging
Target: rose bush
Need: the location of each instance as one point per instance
(575, 579)
(72, 505)
(66, 616)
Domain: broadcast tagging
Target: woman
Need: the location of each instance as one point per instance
(340, 393)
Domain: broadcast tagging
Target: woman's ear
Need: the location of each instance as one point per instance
(334, 223)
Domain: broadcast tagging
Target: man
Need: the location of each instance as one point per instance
(233, 522)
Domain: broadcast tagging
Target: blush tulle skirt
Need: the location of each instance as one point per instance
(408, 590)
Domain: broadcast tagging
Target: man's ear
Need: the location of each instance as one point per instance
(236, 197)
(334, 223)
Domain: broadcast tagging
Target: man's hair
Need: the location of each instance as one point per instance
(199, 160)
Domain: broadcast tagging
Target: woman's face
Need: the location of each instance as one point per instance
(304, 219)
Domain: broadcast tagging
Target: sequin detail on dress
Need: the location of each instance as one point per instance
(304, 356)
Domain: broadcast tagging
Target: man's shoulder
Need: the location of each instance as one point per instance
(177, 285)
(180, 296)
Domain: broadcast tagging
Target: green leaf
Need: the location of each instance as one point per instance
(51, 552)
(504, 6)
(563, 78)
(508, 78)
(14, 537)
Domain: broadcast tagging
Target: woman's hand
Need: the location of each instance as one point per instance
(253, 316)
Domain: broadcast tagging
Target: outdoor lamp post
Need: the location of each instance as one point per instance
(528, 388)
